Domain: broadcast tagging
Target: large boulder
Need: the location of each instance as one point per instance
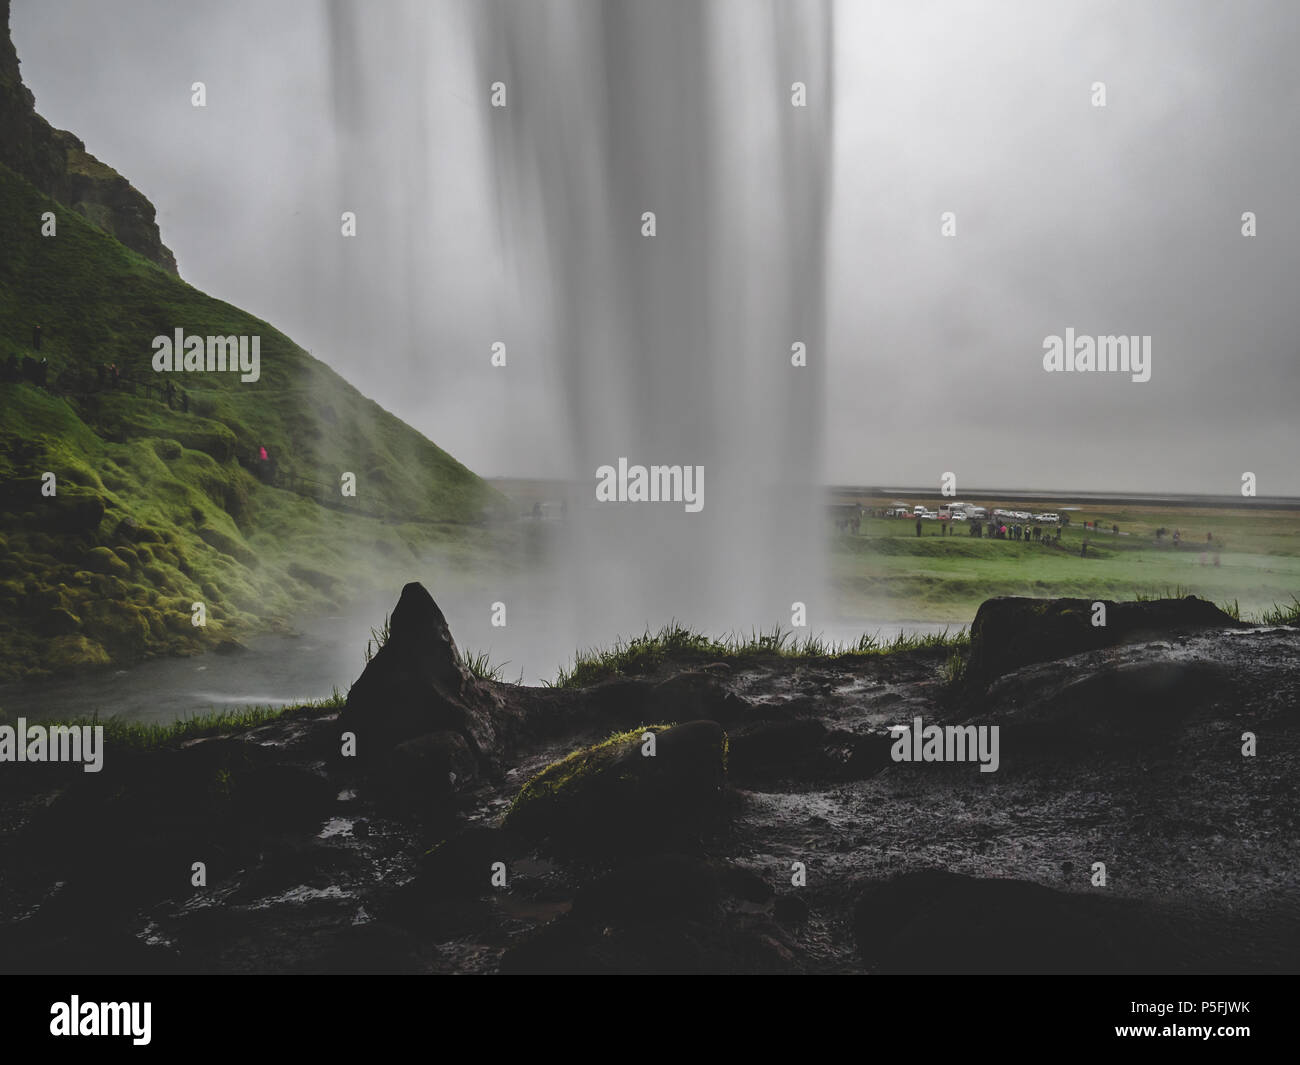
(1011, 632)
(417, 684)
(615, 797)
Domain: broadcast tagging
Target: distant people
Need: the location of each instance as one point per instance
(261, 453)
(1209, 537)
(1083, 550)
(13, 370)
(36, 338)
(1177, 536)
(169, 392)
(1115, 529)
(113, 375)
(918, 526)
(42, 371)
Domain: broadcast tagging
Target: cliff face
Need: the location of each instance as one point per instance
(57, 163)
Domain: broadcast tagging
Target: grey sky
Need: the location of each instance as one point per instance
(1117, 220)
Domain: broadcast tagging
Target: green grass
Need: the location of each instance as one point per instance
(378, 637)
(153, 511)
(144, 735)
(680, 646)
(479, 664)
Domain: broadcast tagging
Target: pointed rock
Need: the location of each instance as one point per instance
(416, 684)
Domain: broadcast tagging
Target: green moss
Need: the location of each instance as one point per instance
(73, 653)
(131, 470)
(103, 560)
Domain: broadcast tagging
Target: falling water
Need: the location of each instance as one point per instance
(672, 349)
(677, 348)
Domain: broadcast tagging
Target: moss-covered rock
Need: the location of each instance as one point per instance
(57, 621)
(119, 626)
(227, 545)
(616, 796)
(73, 653)
(103, 560)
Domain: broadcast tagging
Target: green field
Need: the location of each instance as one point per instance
(887, 571)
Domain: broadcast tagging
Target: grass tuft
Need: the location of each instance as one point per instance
(148, 735)
(645, 654)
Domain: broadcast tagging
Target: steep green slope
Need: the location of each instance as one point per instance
(154, 510)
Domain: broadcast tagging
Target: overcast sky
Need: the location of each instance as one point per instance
(1123, 219)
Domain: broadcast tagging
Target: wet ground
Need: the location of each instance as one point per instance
(1130, 756)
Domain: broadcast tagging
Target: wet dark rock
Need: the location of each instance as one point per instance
(614, 797)
(694, 695)
(1106, 705)
(375, 947)
(791, 911)
(292, 863)
(1012, 632)
(651, 888)
(273, 797)
(769, 750)
(417, 684)
(426, 772)
(743, 884)
(462, 865)
(857, 755)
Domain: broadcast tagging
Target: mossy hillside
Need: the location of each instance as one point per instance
(154, 511)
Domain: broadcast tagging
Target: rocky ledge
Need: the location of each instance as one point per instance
(743, 816)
